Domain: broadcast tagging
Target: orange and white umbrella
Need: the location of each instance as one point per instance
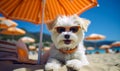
(13, 31)
(117, 43)
(6, 23)
(31, 10)
(27, 39)
(106, 47)
(43, 11)
(90, 48)
(95, 37)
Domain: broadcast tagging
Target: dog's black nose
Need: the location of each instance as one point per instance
(67, 36)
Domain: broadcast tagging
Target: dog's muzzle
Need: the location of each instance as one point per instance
(67, 41)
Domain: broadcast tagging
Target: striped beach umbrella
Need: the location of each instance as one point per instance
(6, 23)
(13, 31)
(31, 10)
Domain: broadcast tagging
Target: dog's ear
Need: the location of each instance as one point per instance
(50, 25)
(85, 23)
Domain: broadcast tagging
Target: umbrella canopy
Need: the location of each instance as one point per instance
(31, 10)
(32, 48)
(13, 31)
(27, 39)
(46, 49)
(90, 48)
(6, 23)
(116, 44)
(95, 37)
(105, 46)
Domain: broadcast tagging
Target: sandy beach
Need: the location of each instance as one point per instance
(101, 62)
(98, 62)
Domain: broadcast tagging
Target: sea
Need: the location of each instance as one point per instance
(97, 44)
(103, 51)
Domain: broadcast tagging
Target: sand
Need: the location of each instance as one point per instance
(103, 62)
(98, 62)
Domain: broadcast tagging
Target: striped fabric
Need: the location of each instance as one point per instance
(31, 10)
(8, 51)
(6, 46)
(14, 52)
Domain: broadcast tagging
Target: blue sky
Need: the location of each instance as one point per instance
(105, 20)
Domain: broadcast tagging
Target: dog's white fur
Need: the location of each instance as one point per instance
(74, 60)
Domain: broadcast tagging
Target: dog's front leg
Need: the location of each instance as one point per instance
(53, 65)
(75, 64)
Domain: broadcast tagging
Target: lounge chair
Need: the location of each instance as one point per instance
(14, 52)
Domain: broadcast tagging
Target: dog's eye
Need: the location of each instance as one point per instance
(60, 29)
(74, 29)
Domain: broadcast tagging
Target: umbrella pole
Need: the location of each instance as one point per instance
(40, 45)
(41, 35)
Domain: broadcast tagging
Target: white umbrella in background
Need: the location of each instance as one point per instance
(116, 45)
(6, 23)
(95, 37)
(90, 49)
(45, 49)
(106, 47)
(32, 48)
(27, 39)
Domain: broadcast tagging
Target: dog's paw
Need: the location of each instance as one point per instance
(75, 64)
(52, 66)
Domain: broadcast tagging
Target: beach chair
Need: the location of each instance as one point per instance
(8, 51)
(15, 52)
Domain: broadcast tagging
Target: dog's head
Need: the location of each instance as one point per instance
(68, 31)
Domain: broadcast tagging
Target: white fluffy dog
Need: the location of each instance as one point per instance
(67, 33)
